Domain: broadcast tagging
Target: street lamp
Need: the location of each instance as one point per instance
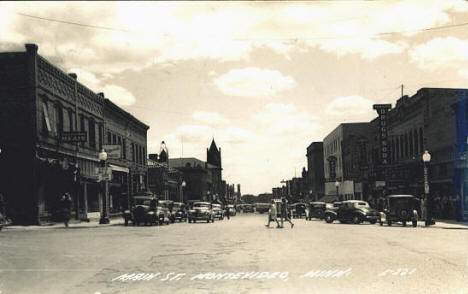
(103, 158)
(426, 159)
(182, 191)
(337, 185)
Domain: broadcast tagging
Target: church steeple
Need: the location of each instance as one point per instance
(213, 154)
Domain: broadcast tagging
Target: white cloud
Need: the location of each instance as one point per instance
(463, 73)
(284, 119)
(350, 108)
(254, 82)
(87, 78)
(441, 53)
(367, 48)
(209, 117)
(236, 135)
(119, 95)
(193, 133)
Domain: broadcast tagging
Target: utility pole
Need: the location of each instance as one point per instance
(402, 90)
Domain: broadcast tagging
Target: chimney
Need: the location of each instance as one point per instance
(101, 94)
(73, 75)
(31, 48)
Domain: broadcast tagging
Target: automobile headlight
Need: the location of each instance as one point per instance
(126, 211)
(150, 212)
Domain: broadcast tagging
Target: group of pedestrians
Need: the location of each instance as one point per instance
(284, 215)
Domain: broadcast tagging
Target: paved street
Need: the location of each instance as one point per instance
(92, 259)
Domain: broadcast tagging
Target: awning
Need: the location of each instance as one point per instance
(119, 168)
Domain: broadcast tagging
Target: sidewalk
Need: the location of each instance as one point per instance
(73, 224)
(448, 224)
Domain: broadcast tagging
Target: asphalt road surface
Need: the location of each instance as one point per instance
(239, 255)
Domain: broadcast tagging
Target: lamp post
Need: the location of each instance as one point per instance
(182, 191)
(337, 185)
(103, 160)
(426, 159)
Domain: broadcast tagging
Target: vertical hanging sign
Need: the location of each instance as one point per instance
(382, 110)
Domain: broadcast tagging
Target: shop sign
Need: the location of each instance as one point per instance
(382, 110)
(73, 137)
(332, 166)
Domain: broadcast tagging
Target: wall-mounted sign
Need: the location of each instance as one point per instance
(332, 167)
(113, 151)
(74, 137)
(382, 110)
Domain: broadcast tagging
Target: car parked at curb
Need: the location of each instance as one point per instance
(355, 211)
(262, 207)
(317, 210)
(232, 210)
(179, 211)
(400, 208)
(145, 210)
(168, 206)
(298, 210)
(218, 211)
(200, 211)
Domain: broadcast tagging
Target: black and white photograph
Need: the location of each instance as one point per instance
(234, 147)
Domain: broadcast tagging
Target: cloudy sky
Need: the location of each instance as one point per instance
(265, 79)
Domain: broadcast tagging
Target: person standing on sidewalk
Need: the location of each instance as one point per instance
(228, 212)
(272, 215)
(65, 203)
(284, 213)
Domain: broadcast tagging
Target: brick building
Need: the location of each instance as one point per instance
(346, 161)
(315, 176)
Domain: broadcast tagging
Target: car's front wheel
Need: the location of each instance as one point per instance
(356, 219)
(126, 222)
(389, 223)
(328, 218)
(404, 223)
(415, 224)
(373, 221)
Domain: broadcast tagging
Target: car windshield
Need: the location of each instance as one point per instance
(142, 202)
(362, 204)
(401, 201)
(201, 205)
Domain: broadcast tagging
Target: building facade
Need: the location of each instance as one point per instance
(346, 162)
(315, 171)
(51, 131)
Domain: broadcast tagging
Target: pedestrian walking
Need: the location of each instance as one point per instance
(228, 213)
(284, 213)
(65, 204)
(273, 215)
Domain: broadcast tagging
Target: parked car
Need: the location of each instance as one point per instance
(355, 211)
(145, 210)
(179, 212)
(248, 208)
(317, 210)
(298, 210)
(262, 207)
(168, 204)
(218, 211)
(400, 208)
(200, 211)
(232, 209)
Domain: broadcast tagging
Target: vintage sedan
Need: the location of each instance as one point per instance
(218, 211)
(400, 208)
(232, 209)
(317, 210)
(144, 210)
(262, 207)
(168, 205)
(179, 211)
(247, 208)
(200, 211)
(298, 210)
(355, 211)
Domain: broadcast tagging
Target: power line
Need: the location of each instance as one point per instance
(290, 38)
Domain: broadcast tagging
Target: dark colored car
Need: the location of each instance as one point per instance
(298, 210)
(400, 208)
(317, 210)
(200, 211)
(247, 208)
(145, 210)
(179, 212)
(355, 211)
(262, 207)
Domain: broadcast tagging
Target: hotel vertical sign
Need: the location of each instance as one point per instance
(382, 110)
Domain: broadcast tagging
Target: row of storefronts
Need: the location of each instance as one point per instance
(384, 156)
(52, 129)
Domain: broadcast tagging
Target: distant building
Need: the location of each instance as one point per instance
(345, 161)
(315, 173)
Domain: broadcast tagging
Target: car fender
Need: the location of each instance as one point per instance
(383, 216)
